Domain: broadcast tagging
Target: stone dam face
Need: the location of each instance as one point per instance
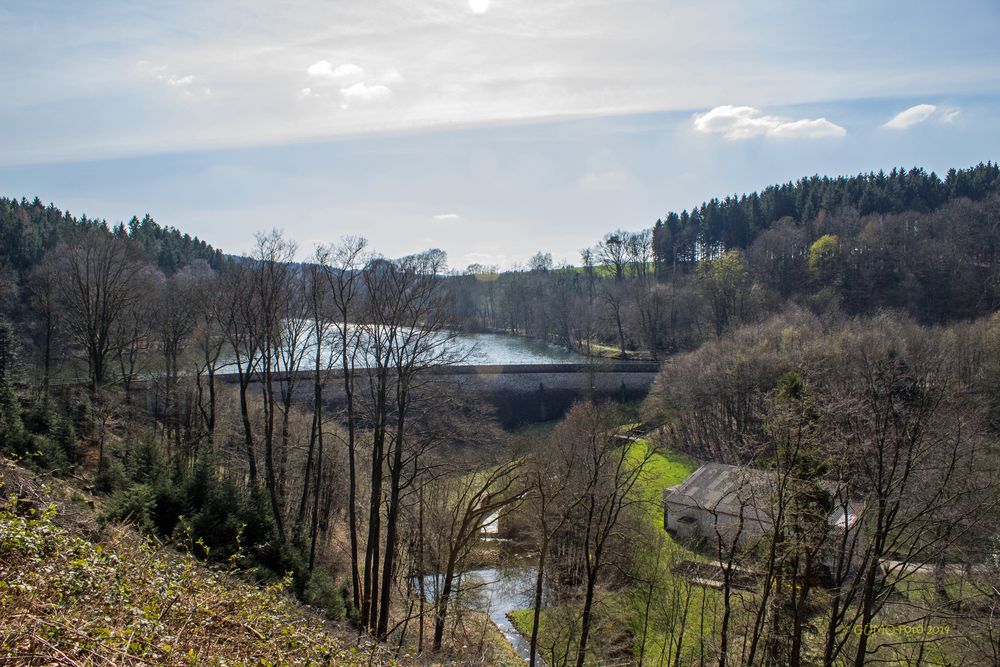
(520, 393)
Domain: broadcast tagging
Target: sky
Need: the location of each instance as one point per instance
(492, 129)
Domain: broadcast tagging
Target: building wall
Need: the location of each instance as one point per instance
(705, 525)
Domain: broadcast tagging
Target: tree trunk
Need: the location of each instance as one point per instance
(537, 607)
(211, 404)
(47, 359)
(352, 484)
(588, 608)
(247, 427)
(300, 516)
(441, 613)
(420, 569)
(369, 603)
(319, 477)
(270, 478)
(621, 333)
(286, 401)
(392, 519)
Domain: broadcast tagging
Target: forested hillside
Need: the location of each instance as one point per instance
(30, 229)
(735, 222)
(905, 240)
(109, 376)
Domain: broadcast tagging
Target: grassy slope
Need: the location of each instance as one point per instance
(663, 469)
(655, 557)
(603, 351)
(68, 600)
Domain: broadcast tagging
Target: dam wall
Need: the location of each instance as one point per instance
(520, 394)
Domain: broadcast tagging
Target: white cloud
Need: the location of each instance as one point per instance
(347, 70)
(324, 69)
(809, 129)
(913, 116)
(446, 216)
(162, 73)
(363, 92)
(920, 113)
(739, 123)
(350, 76)
(479, 6)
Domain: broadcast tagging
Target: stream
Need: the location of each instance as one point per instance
(496, 592)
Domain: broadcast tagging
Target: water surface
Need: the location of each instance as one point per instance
(489, 348)
(496, 592)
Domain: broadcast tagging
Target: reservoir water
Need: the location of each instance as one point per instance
(487, 348)
(464, 349)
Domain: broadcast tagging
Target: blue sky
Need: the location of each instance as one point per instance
(489, 128)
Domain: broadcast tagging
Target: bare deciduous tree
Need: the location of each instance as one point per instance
(98, 277)
(461, 502)
(341, 265)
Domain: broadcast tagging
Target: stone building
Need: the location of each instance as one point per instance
(734, 502)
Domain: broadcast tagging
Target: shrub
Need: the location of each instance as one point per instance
(136, 504)
(125, 602)
(111, 477)
(321, 591)
(63, 435)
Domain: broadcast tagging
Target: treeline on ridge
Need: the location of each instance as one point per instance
(905, 240)
(30, 229)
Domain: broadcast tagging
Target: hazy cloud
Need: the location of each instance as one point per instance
(364, 92)
(391, 76)
(920, 113)
(355, 87)
(559, 60)
(738, 123)
(163, 74)
(446, 216)
(324, 69)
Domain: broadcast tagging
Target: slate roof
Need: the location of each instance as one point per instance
(724, 489)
